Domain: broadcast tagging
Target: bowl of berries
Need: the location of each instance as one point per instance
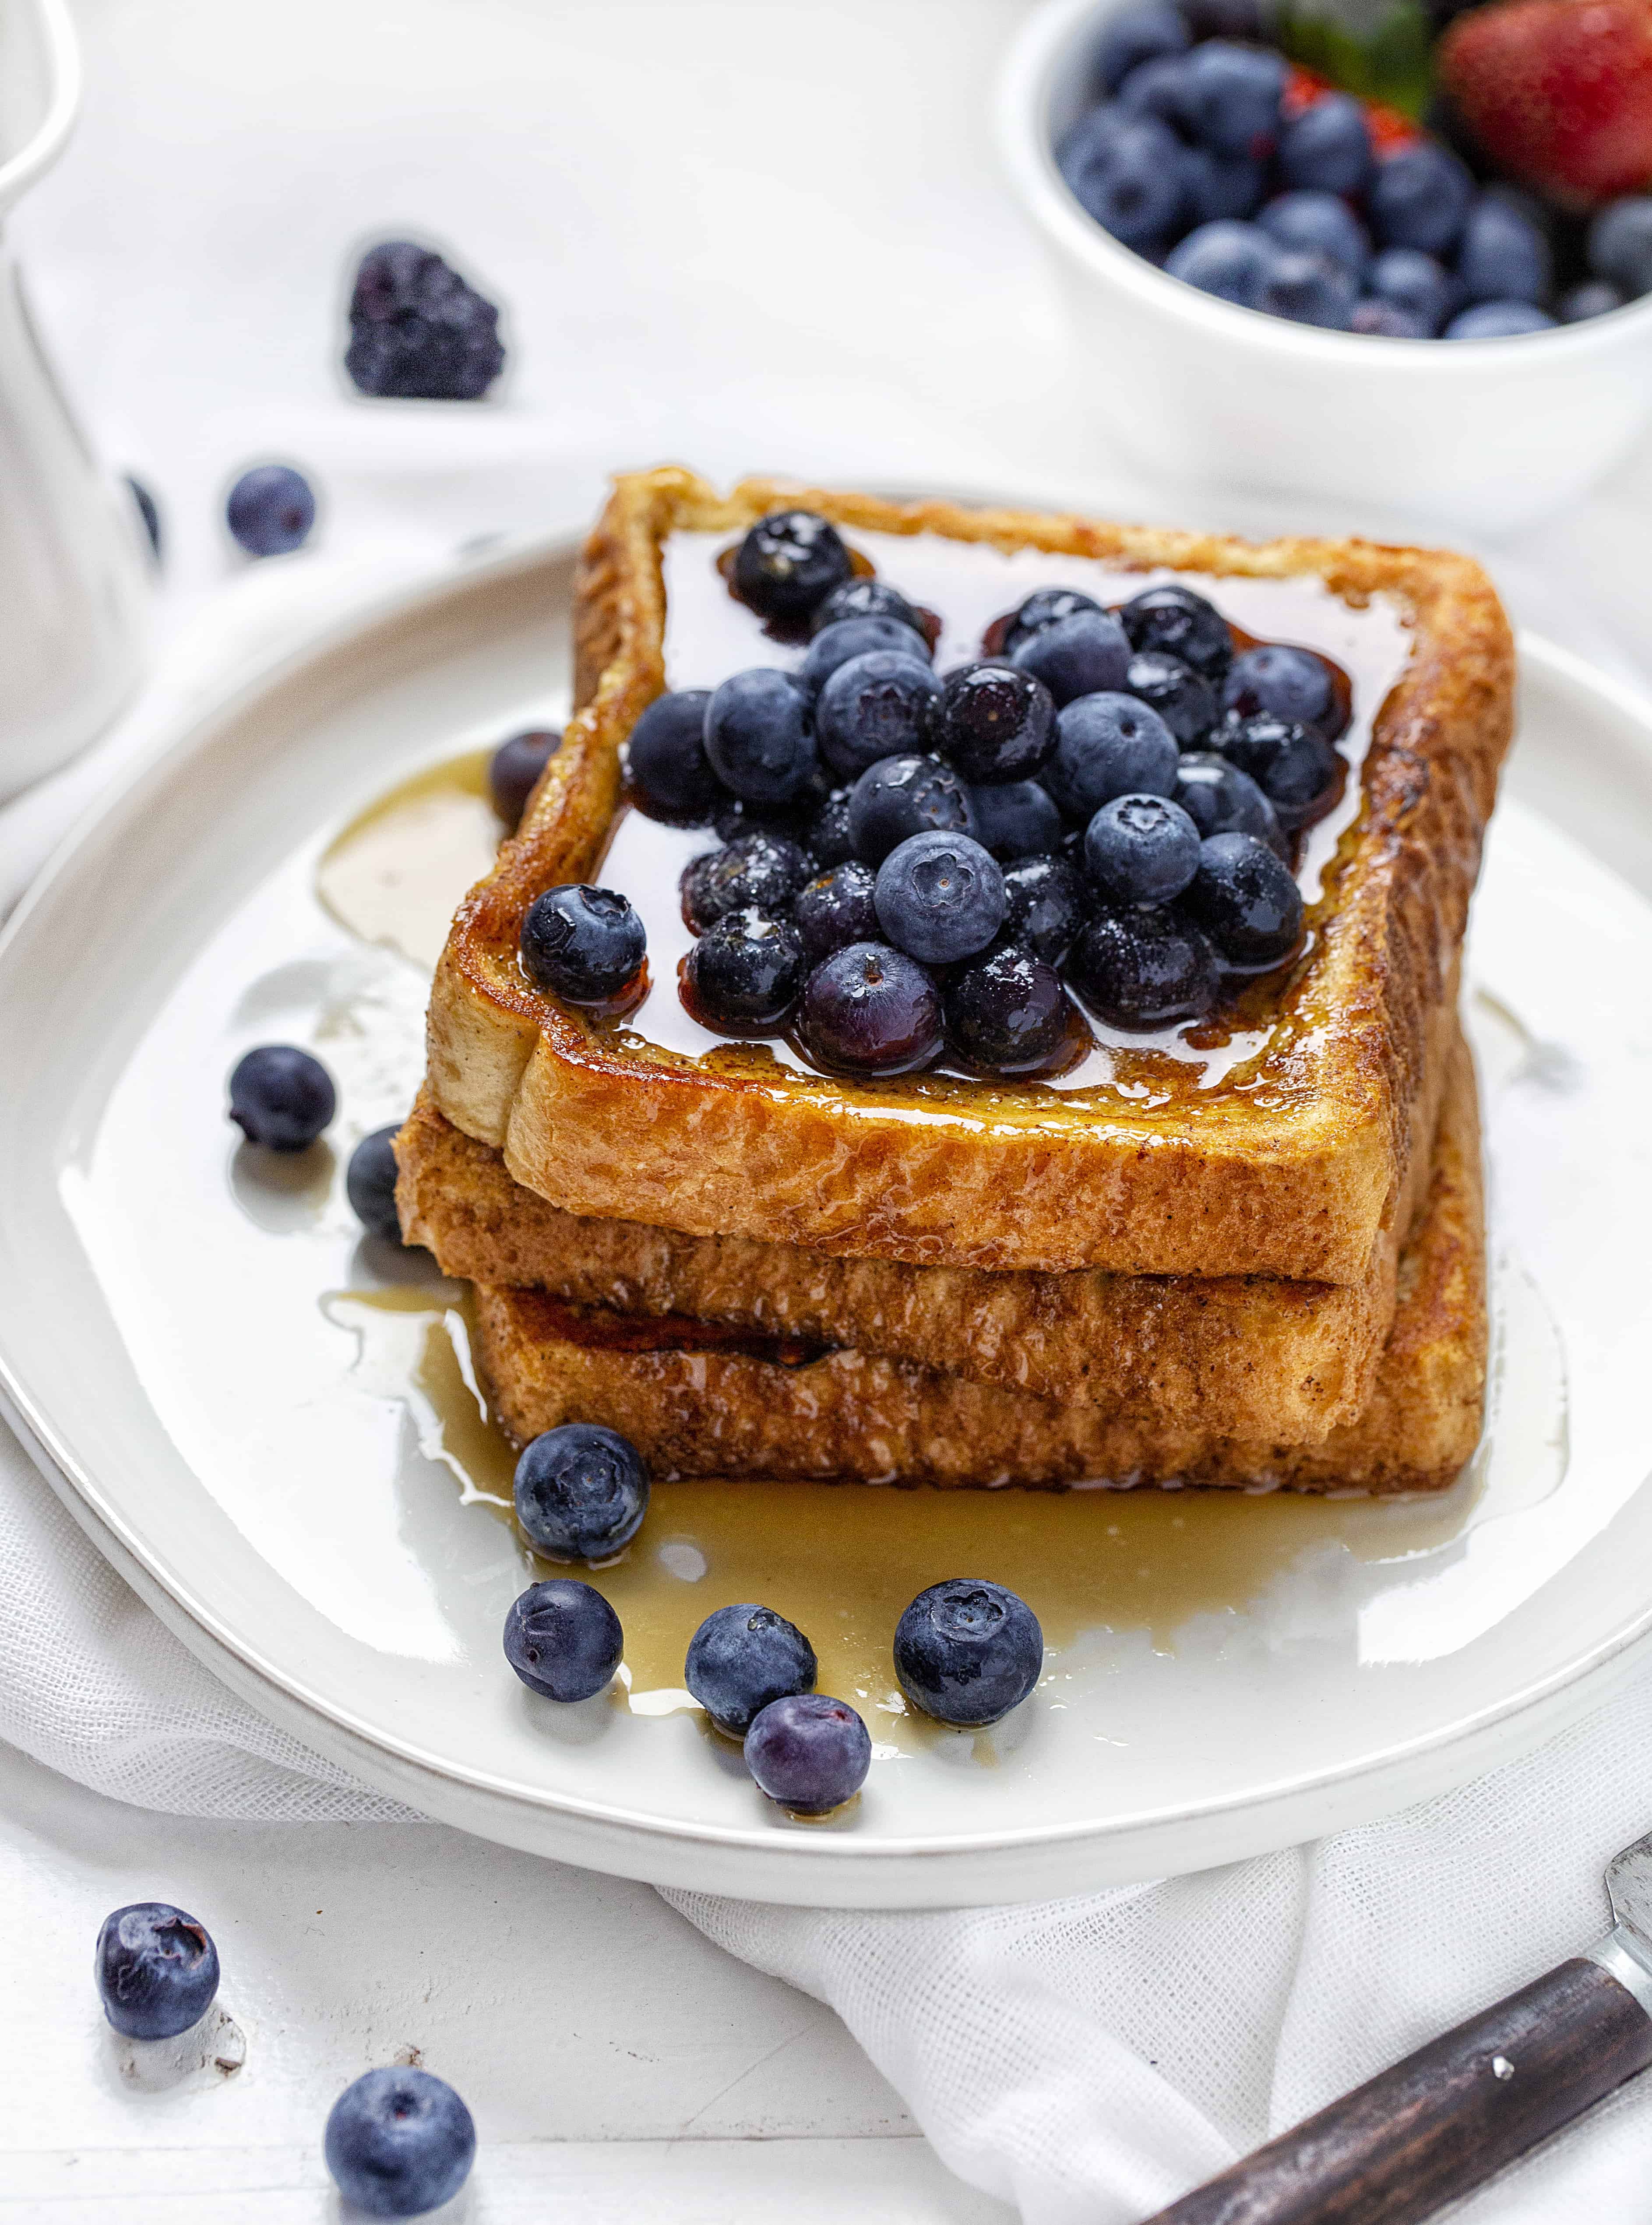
(1435, 305)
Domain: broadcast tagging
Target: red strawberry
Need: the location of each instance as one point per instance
(1558, 93)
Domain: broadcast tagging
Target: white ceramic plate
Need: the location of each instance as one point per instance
(261, 1455)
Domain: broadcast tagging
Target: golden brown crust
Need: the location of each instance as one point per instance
(698, 1404)
(1295, 1176)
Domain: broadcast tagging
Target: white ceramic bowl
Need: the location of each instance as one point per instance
(1479, 435)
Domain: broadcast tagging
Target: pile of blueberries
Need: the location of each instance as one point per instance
(967, 1651)
(914, 865)
(1195, 160)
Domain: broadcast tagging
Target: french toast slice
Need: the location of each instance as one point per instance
(1292, 1166)
(699, 1398)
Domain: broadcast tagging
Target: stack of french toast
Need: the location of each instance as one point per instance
(1247, 1252)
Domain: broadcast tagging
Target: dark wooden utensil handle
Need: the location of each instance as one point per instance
(1437, 2125)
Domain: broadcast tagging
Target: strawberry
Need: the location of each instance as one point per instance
(1558, 93)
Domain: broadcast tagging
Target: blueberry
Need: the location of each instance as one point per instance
(1318, 223)
(581, 1492)
(867, 599)
(764, 870)
(1075, 655)
(742, 1657)
(582, 944)
(1591, 297)
(1140, 850)
(1220, 185)
(563, 1639)
(1180, 624)
(1043, 607)
(1006, 1011)
(1327, 149)
(1044, 906)
(995, 722)
(156, 1970)
(967, 1651)
(1620, 243)
(758, 736)
(666, 755)
(1292, 683)
(1144, 969)
(1154, 88)
(270, 510)
(1016, 819)
(826, 837)
(1219, 799)
(1131, 182)
(148, 511)
(1502, 257)
(1310, 289)
(940, 897)
(836, 645)
(399, 2142)
(1226, 19)
(514, 769)
(747, 970)
(1421, 197)
(1232, 100)
(1414, 282)
(1109, 745)
(905, 796)
(1497, 321)
(1231, 261)
(808, 1753)
(1295, 768)
(417, 330)
(1135, 36)
(369, 1184)
(281, 1097)
(1084, 145)
(870, 1009)
(1246, 901)
(788, 563)
(733, 817)
(1183, 698)
(1381, 320)
(836, 910)
(879, 705)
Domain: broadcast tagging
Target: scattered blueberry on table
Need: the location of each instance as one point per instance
(563, 1639)
(742, 1658)
(513, 770)
(967, 1651)
(270, 510)
(399, 2142)
(156, 1970)
(369, 1184)
(580, 1492)
(808, 1753)
(149, 511)
(418, 331)
(282, 1097)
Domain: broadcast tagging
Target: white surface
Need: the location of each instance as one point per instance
(1469, 435)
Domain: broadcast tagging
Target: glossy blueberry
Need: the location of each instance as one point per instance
(733, 819)
(1016, 819)
(940, 897)
(270, 510)
(281, 1097)
(1219, 799)
(1180, 624)
(995, 722)
(1184, 699)
(878, 704)
(788, 563)
(1414, 282)
(808, 1753)
(514, 769)
(1231, 261)
(1137, 968)
(1075, 655)
(836, 909)
(581, 1492)
(1246, 900)
(1044, 906)
(1043, 607)
(1220, 185)
(1130, 181)
(666, 755)
(1232, 98)
(1135, 36)
(399, 2142)
(1006, 1011)
(905, 796)
(764, 870)
(582, 944)
(148, 511)
(1590, 297)
(1140, 850)
(418, 332)
(742, 1657)
(747, 970)
(369, 1184)
(758, 736)
(1327, 149)
(1497, 321)
(836, 645)
(967, 1651)
(156, 1970)
(563, 1639)
(1292, 683)
(867, 599)
(1620, 243)
(1295, 768)
(870, 1009)
(1318, 223)
(1310, 289)
(1109, 745)
(1502, 256)
(1420, 198)
(826, 837)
